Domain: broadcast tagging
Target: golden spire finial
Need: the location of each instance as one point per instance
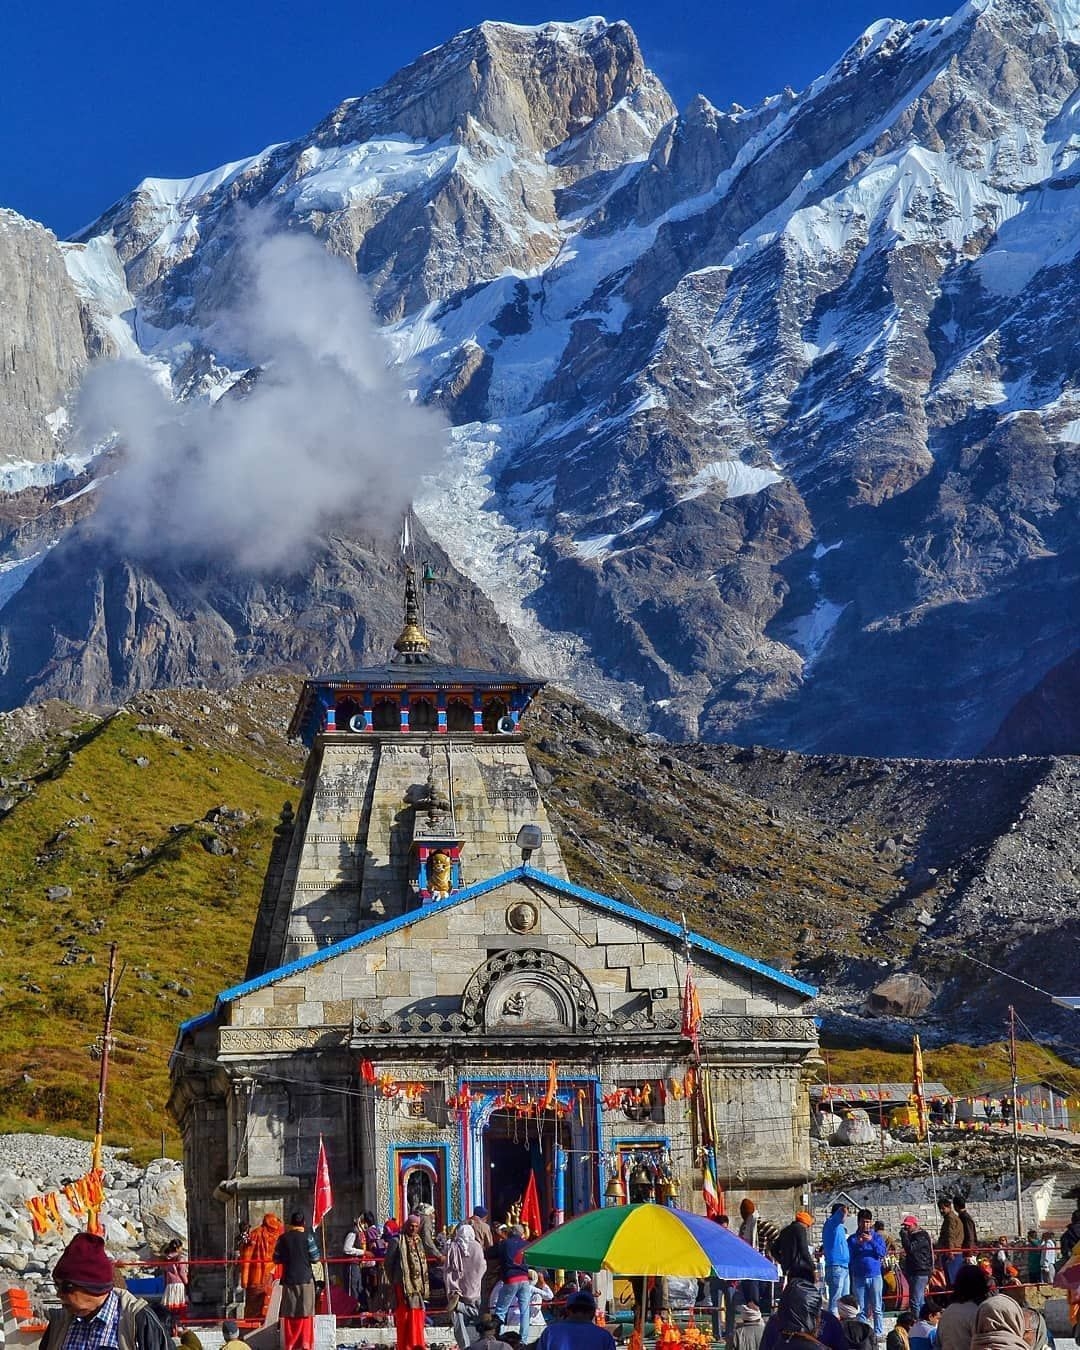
(412, 644)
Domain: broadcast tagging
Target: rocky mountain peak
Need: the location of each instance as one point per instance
(755, 410)
(42, 350)
(534, 87)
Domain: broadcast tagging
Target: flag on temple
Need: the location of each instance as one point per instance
(551, 1095)
(367, 1071)
(324, 1196)
(709, 1190)
(406, 535)
(530, 1207)
(691, 1011)
(917, 1080)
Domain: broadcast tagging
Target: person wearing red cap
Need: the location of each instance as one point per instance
(918, 1261)
(93, 1314)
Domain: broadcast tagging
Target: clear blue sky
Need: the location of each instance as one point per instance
(95, 96)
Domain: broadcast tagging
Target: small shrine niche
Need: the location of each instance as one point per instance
(436, 844)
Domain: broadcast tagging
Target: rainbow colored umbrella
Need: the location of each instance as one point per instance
(649, 1240)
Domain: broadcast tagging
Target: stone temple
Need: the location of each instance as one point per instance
(429, 992)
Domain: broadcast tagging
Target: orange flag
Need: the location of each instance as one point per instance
(552, 1086)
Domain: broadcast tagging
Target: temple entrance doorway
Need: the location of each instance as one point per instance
(514, 1147)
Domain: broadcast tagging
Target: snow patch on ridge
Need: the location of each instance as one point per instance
(740, 480)
(19, 474)
(15, 573)
(810, 633)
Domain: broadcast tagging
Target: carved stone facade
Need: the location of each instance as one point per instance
(448, 1043)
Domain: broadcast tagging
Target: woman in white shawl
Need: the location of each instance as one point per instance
(465, 1268)
(541, 1293)
(999, 1325)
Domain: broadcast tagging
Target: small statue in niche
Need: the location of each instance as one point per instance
(440, 873)
(514, 1004)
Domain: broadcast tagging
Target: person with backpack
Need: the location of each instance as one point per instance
(918, 1261)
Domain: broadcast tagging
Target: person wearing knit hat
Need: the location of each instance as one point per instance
(92, 1312)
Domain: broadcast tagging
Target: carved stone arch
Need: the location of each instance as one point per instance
(531, 992)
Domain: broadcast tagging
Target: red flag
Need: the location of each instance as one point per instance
(367, 1071)
(324, 1197)
(530, 1207)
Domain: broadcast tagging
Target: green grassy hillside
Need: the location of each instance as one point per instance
(107, 842)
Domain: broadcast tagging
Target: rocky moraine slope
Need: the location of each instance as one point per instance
(764, 421)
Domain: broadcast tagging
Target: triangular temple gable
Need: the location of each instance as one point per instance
(420, 964)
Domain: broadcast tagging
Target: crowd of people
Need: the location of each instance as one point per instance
(957, 1294)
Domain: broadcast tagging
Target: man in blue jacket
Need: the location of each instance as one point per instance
(866, 1251)
(517, 1287)
(834, 1243)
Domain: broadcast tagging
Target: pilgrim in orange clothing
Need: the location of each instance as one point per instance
(406, 1268)
(258, 1270)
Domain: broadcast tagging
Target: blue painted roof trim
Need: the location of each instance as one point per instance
(522, 873)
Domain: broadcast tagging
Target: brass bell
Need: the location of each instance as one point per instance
(641, 1176)
(615, 1190)
(665, 1190)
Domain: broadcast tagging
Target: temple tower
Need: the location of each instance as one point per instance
(417, 785)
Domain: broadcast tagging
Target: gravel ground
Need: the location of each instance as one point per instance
(51, 1157)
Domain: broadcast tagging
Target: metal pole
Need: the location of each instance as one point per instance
(93, 1222)
(1015, 1118)
(881, 1117)
(560, 1185)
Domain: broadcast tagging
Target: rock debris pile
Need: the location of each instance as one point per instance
(144, 1207)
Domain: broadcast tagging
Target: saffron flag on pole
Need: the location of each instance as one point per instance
(691, 1011)
(917, 1092)
(324, 1197)
(551, 1095)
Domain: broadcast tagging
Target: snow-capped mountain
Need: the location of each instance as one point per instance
(764, 421)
